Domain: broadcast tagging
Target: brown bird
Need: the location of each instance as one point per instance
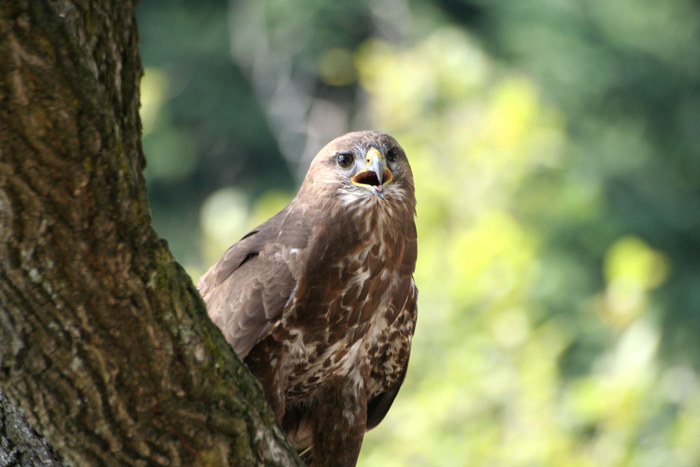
(320, 302)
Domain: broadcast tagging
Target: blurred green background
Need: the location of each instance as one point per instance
(555, 147)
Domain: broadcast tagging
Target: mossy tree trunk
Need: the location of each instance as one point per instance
(105, 345)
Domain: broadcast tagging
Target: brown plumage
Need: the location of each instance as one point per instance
(320, 302)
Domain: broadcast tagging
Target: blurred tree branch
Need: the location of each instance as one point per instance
(105, 344)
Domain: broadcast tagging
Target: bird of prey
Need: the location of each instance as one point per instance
(320, 301)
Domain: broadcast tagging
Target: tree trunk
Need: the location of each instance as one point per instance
(20, 445)
(105, 344)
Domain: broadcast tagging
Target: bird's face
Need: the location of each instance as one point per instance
(363, 165)
(370, 170)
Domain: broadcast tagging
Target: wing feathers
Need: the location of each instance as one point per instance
(248, 289)
(379, 405)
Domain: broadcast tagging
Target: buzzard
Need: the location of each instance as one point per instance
(320, 302)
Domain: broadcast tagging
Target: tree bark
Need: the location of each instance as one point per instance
(105, 344)
(20, 445)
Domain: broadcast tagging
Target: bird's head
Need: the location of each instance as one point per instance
(362, 165)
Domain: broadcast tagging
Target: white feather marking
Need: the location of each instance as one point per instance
(349, 416)
(291, 295)
(349, 360)
(360, 277)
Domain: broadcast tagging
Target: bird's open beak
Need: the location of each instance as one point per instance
(375, 175)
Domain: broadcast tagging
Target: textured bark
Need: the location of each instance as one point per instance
(104, 342)
(20, 445)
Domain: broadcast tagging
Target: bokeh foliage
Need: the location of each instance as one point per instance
(555, 147)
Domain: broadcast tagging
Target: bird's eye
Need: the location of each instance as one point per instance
(392, 155)
(345, 160)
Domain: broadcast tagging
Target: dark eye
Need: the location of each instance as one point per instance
(345, 160)
(392, 155)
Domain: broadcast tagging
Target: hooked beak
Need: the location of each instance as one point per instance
(375, 174)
